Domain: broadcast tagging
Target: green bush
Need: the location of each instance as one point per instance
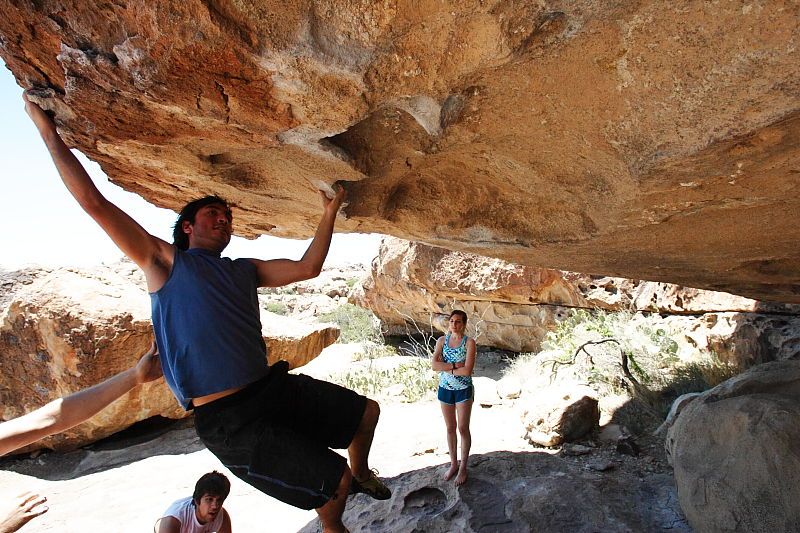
(415, 375)
(651, 350)
(279, 308)
(375, 350)
(356, 324)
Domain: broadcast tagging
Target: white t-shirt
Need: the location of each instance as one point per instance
(184, 511)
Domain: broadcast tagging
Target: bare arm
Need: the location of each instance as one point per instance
(469, 362)
(279, 272)
(168, 524)
(16, 513)
(439, 365)
(153, 255)
(437, 362)
(226, 523)
(64, 413)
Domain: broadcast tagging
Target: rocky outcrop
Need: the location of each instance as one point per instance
(559, 413)
(518, 492)
(307, 300)
(63, 330)
(650, 140)
(513, 307)
(734, 451)
(294, 341)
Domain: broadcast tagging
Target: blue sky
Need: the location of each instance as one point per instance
(45, 226)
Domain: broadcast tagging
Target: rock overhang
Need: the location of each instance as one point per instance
(643, 140)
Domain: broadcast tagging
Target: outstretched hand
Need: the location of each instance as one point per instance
(149, 366)
(20, 510)
(41, 120)
(333, 204)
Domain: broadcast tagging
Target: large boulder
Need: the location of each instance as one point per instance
(735, 452)
(63, 330)
(519, 492)
(66, 329)
(293, 341)
(513, 306)
(559, 413)
(648, 140)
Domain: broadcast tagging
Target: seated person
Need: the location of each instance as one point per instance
(202, 512)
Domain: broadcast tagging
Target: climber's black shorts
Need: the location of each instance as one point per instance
(277, 433)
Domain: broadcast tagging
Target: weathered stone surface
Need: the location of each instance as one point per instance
(414, 283)
(294, 341)
(423, 270)
(675, 409)
(64, 330)
(513, 306)
(735, 452)
(509, 387)
(307, 300)
(518, 492)
(486, 391)
(649, 140)
(740, 339)
(559, 413)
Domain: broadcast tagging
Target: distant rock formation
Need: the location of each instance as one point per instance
(62, 330)
(735, 452)
(648, 140)
(513, 306)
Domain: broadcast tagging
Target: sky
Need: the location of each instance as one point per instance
(45, 226)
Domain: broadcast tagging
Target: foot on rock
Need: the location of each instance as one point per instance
(450, 473)
(372, 487)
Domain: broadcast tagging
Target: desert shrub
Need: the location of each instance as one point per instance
(375, 350)
(286, 289)
(590, 346)
(699, 376)
(356, 324)
(279, 308)
(413, 373)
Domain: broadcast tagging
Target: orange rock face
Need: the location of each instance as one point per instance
(513, 306)
(650, 140)
(67, 329)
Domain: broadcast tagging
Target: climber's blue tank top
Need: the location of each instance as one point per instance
(207, 325)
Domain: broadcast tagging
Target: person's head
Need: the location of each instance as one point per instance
(210, 492)
(458, 321)
(215, 215)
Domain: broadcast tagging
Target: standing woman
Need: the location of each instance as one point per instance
(454, 359)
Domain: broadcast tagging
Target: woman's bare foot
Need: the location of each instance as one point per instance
(450, 473)
(462, 476)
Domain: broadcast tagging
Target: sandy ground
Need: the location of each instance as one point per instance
(124, 485)
(126, 489)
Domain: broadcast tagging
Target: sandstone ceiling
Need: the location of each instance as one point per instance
(649, 140)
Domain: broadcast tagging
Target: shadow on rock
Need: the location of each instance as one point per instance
(151, 437)
(519, 492)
